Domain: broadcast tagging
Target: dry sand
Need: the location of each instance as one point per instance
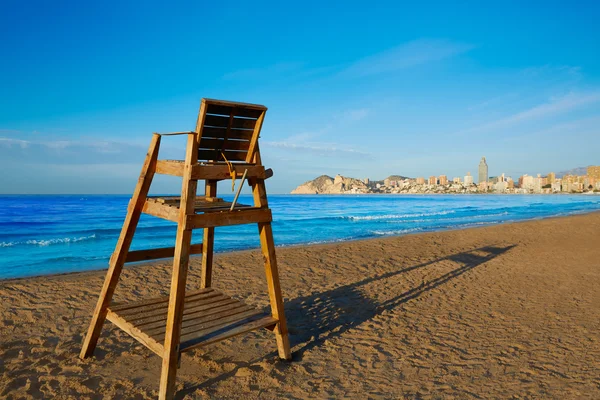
(510, 311)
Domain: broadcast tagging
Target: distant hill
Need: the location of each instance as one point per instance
(574, 171)
(397, 178)
(325, 184)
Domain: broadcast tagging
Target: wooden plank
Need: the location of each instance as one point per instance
(267, 246)
(153, 254)
(235, 313)
(159, 210)
(225, 218)
(208, 238)
(238, 206)
(176, 200)
(217, 156)
(119, 256)
(189, 311)
(255, 135)
(137, 334)
(130, 304)
(205, 328)
(190, 320)
(180, 268)
(143, 306)
(226, 110)
(233, 104)
(169, 167)
(200, 205)
(209, 172)
(226, 205)
(219, 121)
(220, 172)
(263, 322)
(221, 133)
(220, 144)
(136, 314)
(161, 310)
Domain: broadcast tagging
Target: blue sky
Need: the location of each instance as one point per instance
(360, 89)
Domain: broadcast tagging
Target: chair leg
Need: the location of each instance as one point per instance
(174, 315)
(119, 256)
(275, 297)
(180, 269)
(208, 241)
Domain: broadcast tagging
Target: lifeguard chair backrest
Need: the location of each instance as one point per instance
(228, 129)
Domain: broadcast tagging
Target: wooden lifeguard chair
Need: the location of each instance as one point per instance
(224, 145)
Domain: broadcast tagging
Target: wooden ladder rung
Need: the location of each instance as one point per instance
(154, 254)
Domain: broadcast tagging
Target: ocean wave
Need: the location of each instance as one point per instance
(472, 224)
(461, 218)
(395, 231)
(48, 242)
(396, 216)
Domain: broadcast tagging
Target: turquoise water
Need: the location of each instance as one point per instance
(55, 234)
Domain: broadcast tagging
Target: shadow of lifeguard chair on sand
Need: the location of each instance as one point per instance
(224, 145)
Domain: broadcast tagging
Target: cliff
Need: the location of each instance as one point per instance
(327, 185)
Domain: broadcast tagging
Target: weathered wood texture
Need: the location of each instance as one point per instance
(154, 254)
(230, 132)
(212, 172)
(226, 218)
(170, 211)
(272, 274)
(208, 238)
(180, 270)
(208, 316)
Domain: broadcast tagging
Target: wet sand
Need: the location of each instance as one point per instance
(508, 311)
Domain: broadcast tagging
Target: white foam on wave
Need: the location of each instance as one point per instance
(395, 231)
(48, 242)
(397, 216)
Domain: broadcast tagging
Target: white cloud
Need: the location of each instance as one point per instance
(67, 151)
(553, 71)
(556, 105)
(407, 55)
(493, 101)
(9, 131)
(355, 115)
(8, 142)
(320, 148)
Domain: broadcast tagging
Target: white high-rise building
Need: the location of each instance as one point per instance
(468, 179)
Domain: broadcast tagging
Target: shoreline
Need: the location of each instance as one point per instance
(333, 242)
(445, 194)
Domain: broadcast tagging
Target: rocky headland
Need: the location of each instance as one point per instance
(325, 184)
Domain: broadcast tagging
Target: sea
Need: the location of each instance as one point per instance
(49, 234)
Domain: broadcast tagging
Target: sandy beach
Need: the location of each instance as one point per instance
(508, 311)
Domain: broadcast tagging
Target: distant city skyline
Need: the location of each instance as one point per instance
(420, 89)
(589, 181)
